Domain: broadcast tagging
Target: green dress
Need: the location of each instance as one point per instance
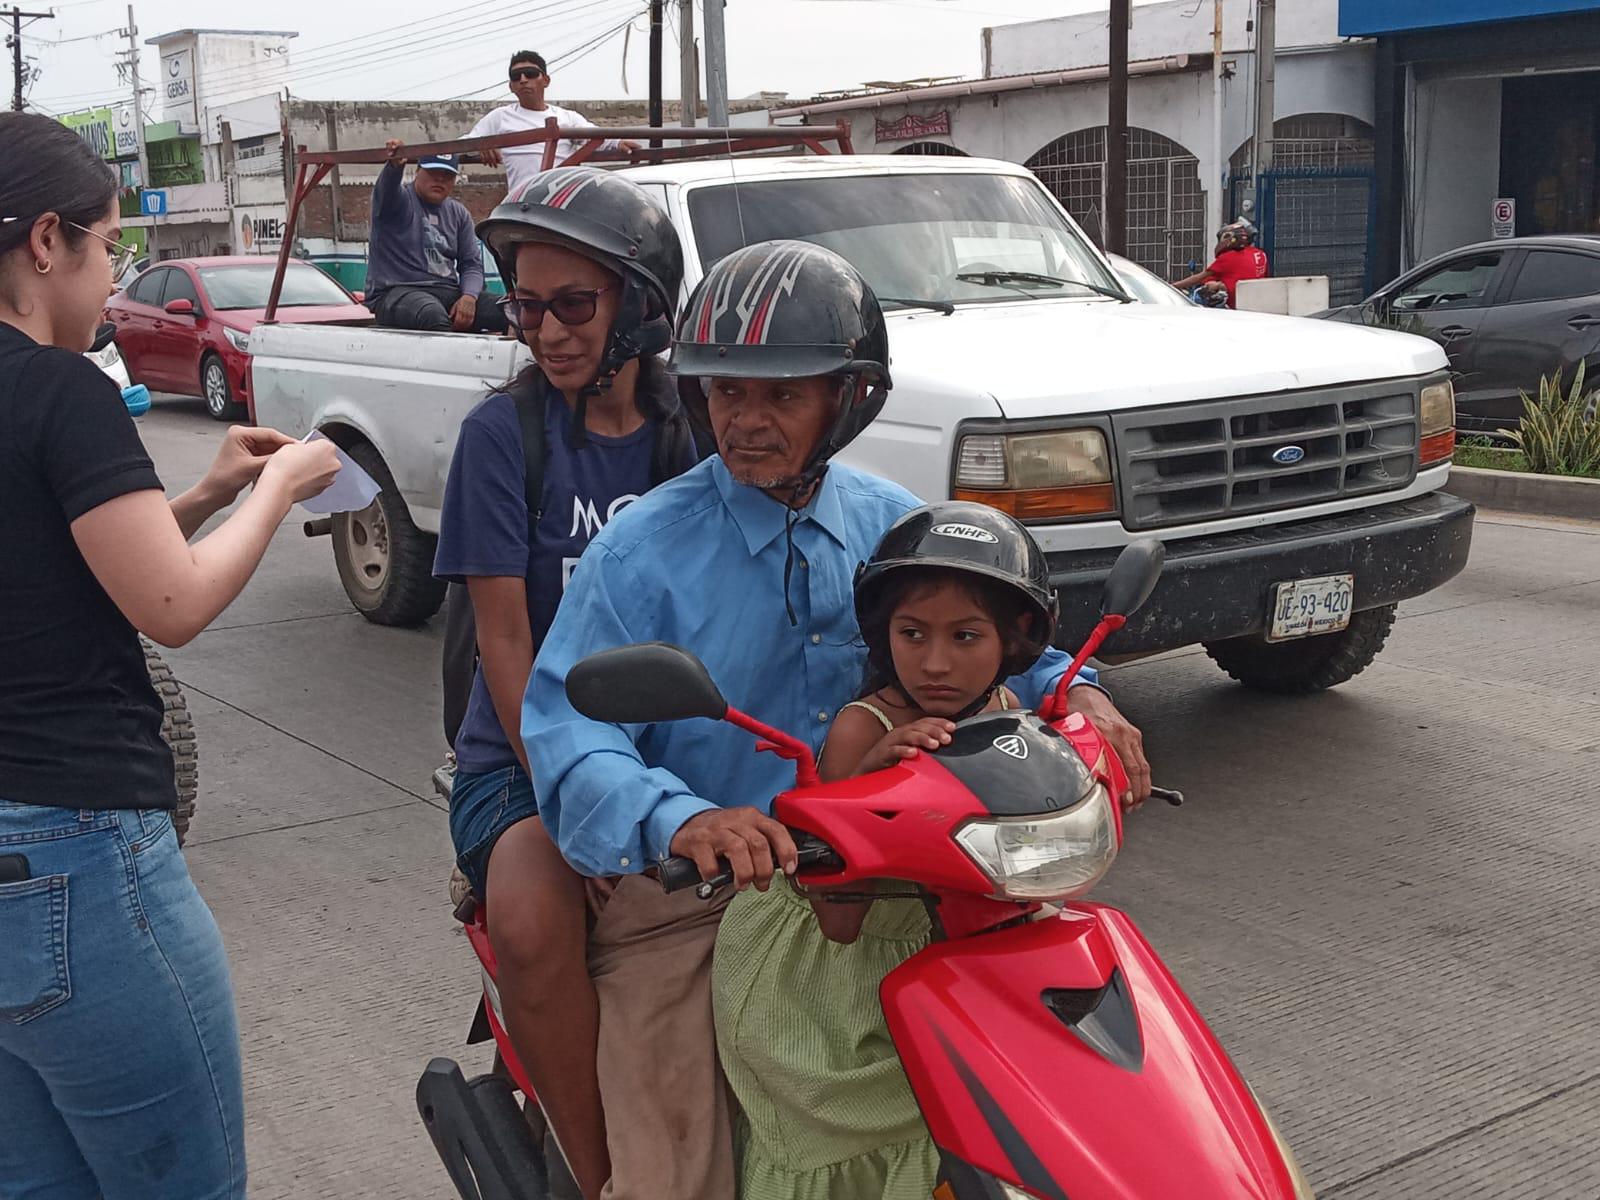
(827, 1113)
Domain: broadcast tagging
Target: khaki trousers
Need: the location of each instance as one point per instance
(666, 1103)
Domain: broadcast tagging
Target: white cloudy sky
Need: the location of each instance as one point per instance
(434, 49)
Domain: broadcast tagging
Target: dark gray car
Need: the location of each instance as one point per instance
(1506, 312)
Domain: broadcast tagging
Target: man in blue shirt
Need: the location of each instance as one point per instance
(748, 560)
(424, 267)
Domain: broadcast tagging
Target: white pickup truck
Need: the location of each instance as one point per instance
(1292, 467)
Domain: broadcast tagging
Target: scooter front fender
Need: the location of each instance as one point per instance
(1062, 1057)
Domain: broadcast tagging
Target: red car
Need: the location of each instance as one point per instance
(183, 325)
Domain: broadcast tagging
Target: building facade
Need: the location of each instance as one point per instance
(1481, 102)
(203, 73)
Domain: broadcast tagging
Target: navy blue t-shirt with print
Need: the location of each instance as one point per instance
(483, 529)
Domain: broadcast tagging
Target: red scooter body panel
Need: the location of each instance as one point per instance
(1012, 1088)
(478, 935)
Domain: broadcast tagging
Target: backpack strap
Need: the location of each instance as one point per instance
(531, 402)
(460, 656)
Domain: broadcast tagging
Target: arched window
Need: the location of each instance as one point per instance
(1320, 191)
(1166, 204)
(1315, 141)
(935, 148)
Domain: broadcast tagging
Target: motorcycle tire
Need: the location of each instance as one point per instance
(177, 730)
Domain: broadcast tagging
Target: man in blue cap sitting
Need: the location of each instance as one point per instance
(424, 265)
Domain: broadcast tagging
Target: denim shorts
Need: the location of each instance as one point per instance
(119, 1049)
(482, 807)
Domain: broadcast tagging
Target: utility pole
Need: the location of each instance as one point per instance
(1116, 178)
(688, 66)
(655, 70)
(1219, 168)
(1266, 82)
(132, 56)
(716, 66)
(16, 50)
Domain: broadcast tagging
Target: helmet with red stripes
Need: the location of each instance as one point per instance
(602, 216)
(786, 310)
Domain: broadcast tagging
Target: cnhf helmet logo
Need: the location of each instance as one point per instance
(1013, 745)
(971, 533)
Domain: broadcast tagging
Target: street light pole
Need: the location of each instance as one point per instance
(132, 34)
(688, 66)
(16, 51)
(655, 70)
(716, 66)
(1116, 178)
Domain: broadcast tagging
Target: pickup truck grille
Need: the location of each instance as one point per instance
(1198, 462)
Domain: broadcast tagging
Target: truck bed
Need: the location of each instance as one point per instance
(404, 392)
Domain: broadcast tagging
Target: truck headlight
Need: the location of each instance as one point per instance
(1436, 411)
(239, 338)
(1035, 476)
(1058, 856)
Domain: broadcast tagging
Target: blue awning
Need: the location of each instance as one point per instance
(1372, 18)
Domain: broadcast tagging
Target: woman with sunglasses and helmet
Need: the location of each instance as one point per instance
(119, 1048)
(593, 269)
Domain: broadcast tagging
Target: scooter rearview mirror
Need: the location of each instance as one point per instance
(644, 683)
(1133, 577)
(102, 337)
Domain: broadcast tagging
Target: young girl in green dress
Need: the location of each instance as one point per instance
(953, 602)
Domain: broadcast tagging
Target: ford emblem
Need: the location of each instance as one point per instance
(1287, 456)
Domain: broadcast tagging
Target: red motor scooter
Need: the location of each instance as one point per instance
(1051, 1052)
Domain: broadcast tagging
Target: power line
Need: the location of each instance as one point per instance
(327, 60)
(367, 58)
(565, 58)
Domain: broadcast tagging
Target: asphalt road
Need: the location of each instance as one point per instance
(1384, 898)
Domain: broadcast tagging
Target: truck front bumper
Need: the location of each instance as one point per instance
(1221, 587)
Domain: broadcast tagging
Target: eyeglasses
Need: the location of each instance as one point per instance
(121, 256)
(521, 73)
(570, 308)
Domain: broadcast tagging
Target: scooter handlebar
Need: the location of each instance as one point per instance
(676, 872)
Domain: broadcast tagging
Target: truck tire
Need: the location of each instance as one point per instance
(177, 730)
(385, 562)
(1306, 664)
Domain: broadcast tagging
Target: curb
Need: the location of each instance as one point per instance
(1522, 492)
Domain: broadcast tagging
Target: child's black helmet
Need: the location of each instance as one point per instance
(974, 539)
(785, 310)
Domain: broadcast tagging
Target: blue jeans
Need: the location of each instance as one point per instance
(484, 805)
(119, 1049)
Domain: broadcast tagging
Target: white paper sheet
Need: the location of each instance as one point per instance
(351, 490)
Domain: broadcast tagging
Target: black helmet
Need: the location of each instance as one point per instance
(607, 218)
(956, 535)
(785, 310)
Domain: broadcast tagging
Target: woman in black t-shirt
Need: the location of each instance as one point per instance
(119, 1058)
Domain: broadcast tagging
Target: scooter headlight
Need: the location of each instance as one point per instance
(1058, 856)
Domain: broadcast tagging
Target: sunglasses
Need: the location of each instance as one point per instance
(121, 256)
(521, 73)
(570, 308)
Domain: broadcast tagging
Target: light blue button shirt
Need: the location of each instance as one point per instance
(699, 562)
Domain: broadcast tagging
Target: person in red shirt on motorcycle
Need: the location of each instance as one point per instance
(1237, 257)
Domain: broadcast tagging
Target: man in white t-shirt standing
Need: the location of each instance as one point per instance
(529, 79)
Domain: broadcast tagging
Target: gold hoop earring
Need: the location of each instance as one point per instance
(42, 267)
